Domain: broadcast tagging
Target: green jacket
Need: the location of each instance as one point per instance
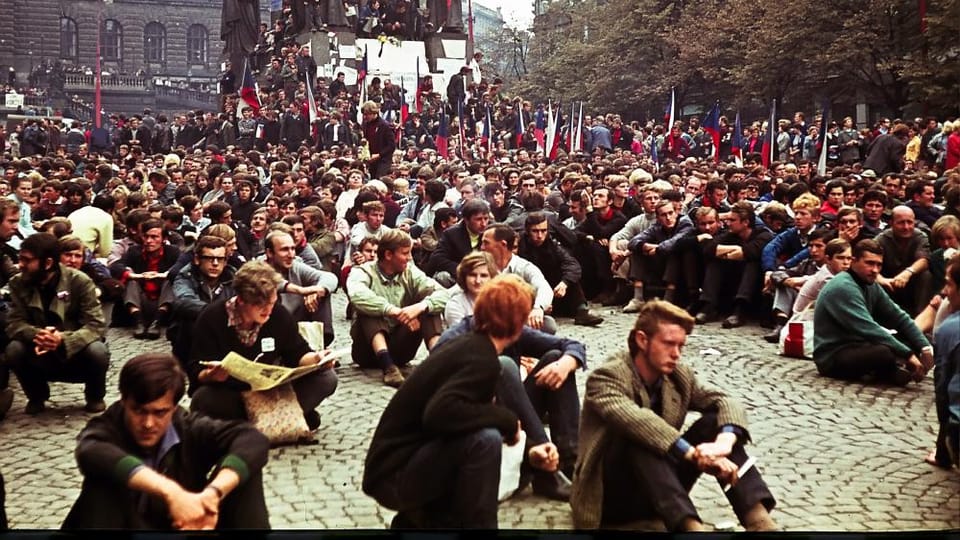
(373, 294)
(850, 312)
(75, 311)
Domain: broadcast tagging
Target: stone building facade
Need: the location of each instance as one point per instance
(178, 40)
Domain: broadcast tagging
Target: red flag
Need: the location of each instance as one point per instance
(442, 135)
(248, 90)
(770, 139)
(711, 125)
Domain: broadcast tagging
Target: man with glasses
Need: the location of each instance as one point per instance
(201, 282)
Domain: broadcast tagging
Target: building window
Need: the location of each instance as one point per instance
(154, 43)
(69, 38)
(111, 40)
(197, 44)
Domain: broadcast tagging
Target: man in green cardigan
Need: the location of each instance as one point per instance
(634, 462)
(852, 315)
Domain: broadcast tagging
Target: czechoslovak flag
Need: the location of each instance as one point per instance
(249, 93)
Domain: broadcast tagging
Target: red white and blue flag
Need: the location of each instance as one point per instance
(539, 130)
(249, 93)
(443, 136)
(519, 128)
(770, 138)
(670, 115)
(736, 142)
(462, 135)
(711, 125)
(416, 99)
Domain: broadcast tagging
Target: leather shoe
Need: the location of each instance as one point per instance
(140, 331)
(555, 486)
(585, 318)
(313, 420)
(95, 406)
(774, 335)
(153, 331)
(34, 407)
(733, 321)
(705, 316)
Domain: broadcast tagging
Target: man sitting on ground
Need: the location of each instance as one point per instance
(634, 462)
(397, 307)
(500, 240)
(56, 327)
(560, 269)
(148, 464)
(852, 316)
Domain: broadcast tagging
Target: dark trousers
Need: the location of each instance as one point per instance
(639, 484)
(104, 504)
(860, 359)
(560, 406)
(4, 525)
(401, 342)
(689, 270)
(89, 366)
(449, 482)
(570, 303)
(945, 372)
(221, 401)
(722, 276)
(135, 296)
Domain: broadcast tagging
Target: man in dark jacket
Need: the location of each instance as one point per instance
(293, 128)
(148, 464)
(207, 279)
(559, 267)
(381, 138)
(886, 152)
(733, 264)
(457, 241)
(435, 454)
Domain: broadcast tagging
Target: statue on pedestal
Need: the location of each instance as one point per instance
(240, 31)
(451, 19)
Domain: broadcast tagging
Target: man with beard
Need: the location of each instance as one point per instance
(56, 327)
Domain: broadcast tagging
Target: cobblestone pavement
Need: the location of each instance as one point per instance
(837, 456)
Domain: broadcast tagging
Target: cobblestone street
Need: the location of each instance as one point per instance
(838, 457)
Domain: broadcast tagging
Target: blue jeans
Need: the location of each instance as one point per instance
(449, 482)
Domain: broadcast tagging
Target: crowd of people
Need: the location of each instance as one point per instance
(237, 228)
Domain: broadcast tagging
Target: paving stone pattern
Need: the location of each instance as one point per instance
(837, 456)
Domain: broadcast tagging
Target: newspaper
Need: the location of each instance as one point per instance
(265, 376)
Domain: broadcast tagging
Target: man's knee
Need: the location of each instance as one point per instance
(485, 442)
(98, 356)
(15, 353)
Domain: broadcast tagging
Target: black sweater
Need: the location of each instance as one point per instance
(451, 392)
